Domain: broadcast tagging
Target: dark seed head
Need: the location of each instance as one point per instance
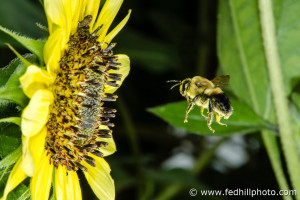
(77, 111)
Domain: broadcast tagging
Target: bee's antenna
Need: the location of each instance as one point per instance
(174, 81)
(175, 85)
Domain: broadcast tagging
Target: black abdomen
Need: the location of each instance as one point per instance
(221, 102)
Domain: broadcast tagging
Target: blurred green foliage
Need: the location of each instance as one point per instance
(175, 40)
(244, 120)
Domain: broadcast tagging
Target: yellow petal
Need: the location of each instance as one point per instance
(27, 160)
(99, 179)
(73, 189)
(37, 145)
(111, 147)
(68, 8)
(124, 70)
(117, 29)
(106, 16)
(82, 7)
(53, 50)
(15, 178)
(76, 14)
(60, 183)
(35, 115)
(33, 148)
(34, 79)
(41, 181)
(92, 8)
(55, 14)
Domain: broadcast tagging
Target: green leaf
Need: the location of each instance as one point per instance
(11, 158)
(14, 94)
(243, 119)
(6, 166)
(242, 56)
(15, 120)
(24, 61)
(22, 19)
(9, 109)
(296, 99)
(21, 192)
(4, 174)
(295, 121)
(289, 41)
(34, 46)
(10, 138)
(10, 88)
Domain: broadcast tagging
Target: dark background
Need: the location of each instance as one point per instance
(164, 40)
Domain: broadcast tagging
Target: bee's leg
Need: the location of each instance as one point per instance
(210, 115)
(202, 109)
(190, 107)
(188, 100)
(218, 119)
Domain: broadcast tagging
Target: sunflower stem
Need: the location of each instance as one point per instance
(201, 162)
(279, 94)
(129, 127)
(274, 156)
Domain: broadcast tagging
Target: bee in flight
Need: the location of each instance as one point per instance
(206, 94)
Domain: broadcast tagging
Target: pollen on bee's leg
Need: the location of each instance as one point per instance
(78, 112)
(209, 121)
(218, 119)
(202, 109)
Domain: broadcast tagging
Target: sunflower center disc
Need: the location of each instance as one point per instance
(77, 116)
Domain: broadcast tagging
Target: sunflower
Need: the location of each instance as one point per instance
(66, 127)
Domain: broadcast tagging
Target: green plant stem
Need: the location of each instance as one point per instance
(129, 127)
(279, 95)
(274, 156)
(268, 139)
(201, 162)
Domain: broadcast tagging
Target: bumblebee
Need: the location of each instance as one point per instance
(208, 95)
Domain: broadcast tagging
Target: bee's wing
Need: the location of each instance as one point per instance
(221, 81)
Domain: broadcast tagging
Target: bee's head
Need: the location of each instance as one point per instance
(184, 85)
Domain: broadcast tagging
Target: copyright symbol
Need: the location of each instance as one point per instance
(193, 192)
